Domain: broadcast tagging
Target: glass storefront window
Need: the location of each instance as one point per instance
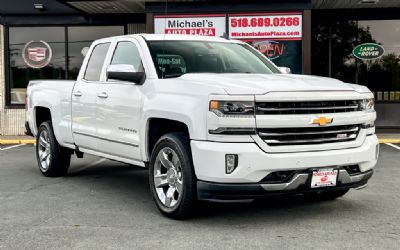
(35, 53)
(332, 54)
(382, 75)
(320, 44)
(282, 53)
(83, 36)
(41, 53)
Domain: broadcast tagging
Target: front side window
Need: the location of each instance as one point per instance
(80, 38)
(174, 58)
(96, 62)
(127, 53)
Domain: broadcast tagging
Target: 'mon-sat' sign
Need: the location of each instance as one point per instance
(205, 25)
(368, 51)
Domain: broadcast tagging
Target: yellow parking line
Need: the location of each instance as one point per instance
(389, 140)
(23, 141)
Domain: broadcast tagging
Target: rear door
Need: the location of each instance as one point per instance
(84, 98)
(120, 106)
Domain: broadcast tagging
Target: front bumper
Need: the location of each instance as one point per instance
(223, 192)
(254, 165)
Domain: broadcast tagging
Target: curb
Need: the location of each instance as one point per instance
(389, 140)
(23, 141)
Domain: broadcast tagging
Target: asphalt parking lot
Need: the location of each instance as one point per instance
(107, 205)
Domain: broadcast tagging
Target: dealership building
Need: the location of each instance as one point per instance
(356, 41)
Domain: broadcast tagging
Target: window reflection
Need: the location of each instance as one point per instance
(40, 53)
(81, 37)
(383, 75)
(333, 44)
(22, 71)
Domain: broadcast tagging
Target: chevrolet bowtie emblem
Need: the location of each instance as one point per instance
(322, 120)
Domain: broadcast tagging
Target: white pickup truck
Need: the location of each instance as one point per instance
(212, 119)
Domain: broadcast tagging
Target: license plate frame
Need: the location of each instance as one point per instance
(324, 177)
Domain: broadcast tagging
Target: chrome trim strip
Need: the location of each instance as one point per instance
(361, 187)
(105, 139)
(345, 178)
(296, 181)
(352, 136)
(310, 108)
(232, 131)
(310, 133)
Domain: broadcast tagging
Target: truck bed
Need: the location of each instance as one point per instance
(55, 94)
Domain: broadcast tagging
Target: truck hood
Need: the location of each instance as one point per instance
(258, 84)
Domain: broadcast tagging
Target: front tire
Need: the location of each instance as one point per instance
(172, 178)
(53, 159)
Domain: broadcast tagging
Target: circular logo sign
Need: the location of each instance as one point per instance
(37, 54)
(368, 51)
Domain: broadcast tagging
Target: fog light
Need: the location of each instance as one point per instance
(370, 127)
(231, 162)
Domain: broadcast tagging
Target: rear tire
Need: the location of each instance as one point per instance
(172, 178)
(326, 195)
(53, 159)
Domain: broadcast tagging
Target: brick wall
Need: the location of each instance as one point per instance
(135, 28)
(11, 120)
(2, 78)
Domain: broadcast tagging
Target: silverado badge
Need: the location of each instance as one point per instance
(322, 120)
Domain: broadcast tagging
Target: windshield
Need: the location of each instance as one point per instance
(175, 58)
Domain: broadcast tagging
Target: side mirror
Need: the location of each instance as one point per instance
(125, 72)
(285, 70)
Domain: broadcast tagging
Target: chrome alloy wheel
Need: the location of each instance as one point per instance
(168, 177)
(44, 148)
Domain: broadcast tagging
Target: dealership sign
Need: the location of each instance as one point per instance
(284, 26)
(205, 25)
(37, 54)
(368, 51)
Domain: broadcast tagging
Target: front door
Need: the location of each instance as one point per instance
(119, 108)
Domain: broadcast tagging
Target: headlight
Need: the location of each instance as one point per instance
(232, 108)
(368, 105)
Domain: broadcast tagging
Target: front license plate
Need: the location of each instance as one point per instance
(326, 177)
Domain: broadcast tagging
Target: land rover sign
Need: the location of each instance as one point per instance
(368, 51)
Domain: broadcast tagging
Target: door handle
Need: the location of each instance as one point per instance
(77, 93)
(102, 95)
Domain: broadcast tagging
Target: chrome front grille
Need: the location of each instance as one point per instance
(307, 107)
(308, 135)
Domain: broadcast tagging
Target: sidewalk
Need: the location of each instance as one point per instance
(4, 140)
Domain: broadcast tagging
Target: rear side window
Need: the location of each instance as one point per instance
(127, 53)
(96, 61)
